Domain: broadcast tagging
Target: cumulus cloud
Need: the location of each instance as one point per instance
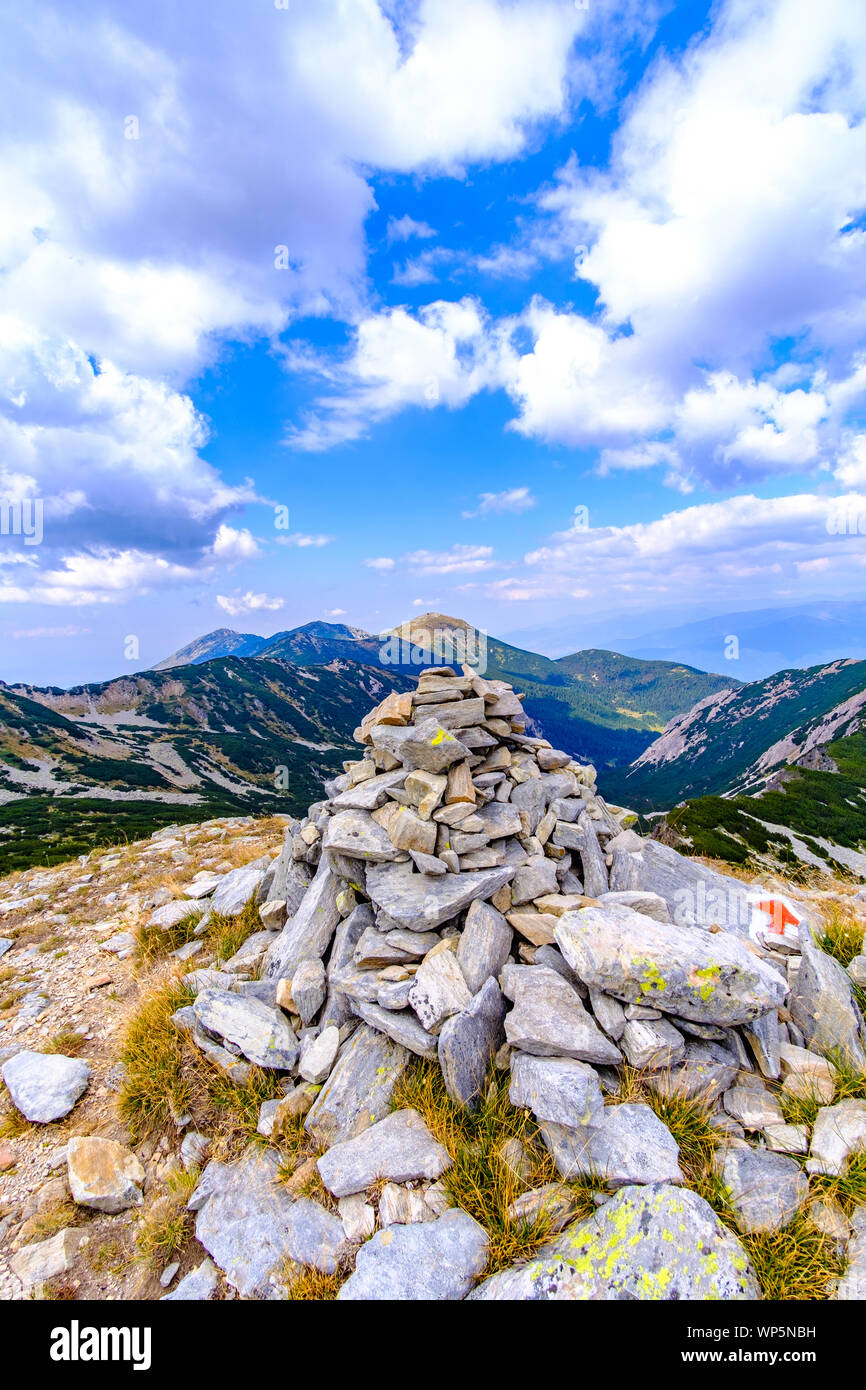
(405, 228)
(380, 562)
(460, 559)
(237, 604)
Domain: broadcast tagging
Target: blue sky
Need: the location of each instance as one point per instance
(526, 311)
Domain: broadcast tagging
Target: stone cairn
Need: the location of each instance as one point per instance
(464, 895)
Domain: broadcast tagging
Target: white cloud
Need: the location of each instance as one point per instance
(232, 546)
(380, 562)
(304, 541)
(460, 559)
(335, 612)
(405, 228)
(238, 604)
(514, 499)
(40, 632)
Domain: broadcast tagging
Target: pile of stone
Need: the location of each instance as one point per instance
(464, 895)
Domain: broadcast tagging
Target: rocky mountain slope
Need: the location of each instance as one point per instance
(471, 1038)
(91, 764)
(596, 704)
(775, 768)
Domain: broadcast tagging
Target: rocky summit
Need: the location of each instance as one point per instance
(464, 906)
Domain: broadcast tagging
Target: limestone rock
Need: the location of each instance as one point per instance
(45, 1086)
(262, 1033)
(358, 1091)
(699, 975)
(469, 1040)
(197, 1286)
(658, 1242)
(766, 1189)
(416, 901)
(431, 1260)
(438, 990)
(823, 1006)
(45, 1259)
(484, 944)
(235, 891)
(399, 1148)
(556, 1088)
(631, 1145)
(839, 1131)
(548, 1020)
(308, 934)
(103, 1174)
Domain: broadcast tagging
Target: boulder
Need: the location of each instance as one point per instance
(706, 977)
(399, 1148)
(430, 1260)
(103, 1174)
(45, 1086)
(262, 1033)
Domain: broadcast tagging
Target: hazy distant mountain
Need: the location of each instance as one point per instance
(770, 639)
(223, 641)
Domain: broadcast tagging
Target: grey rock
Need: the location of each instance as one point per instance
(549, 1020)
(556, 1088)
(856, 969)
(249, 1223)
(500, 818)
(194, 1150)
(45, 1259)
(425, 745)
(631, 1145)
(426, 1260)
(399, 1024)
(765, 1037)
(468, 1041)
(45, 1086)
(766, 1189)
(235, 891)
(368, 795)
(595, 880)
(485, 943)
(172, 913)
(651, 1045)
(556, 1202)
(6, 944)
(197, 1286)
(650, 904)
(358, 1090)
(658, 1242)
(529, 796)
(609, 1012)
(262, 1033)
(356, 833)
(839, 1131)
(250, 955)
(399, 1148)
(823, 1005)
(533, 880)
(753, 1108)
(308, 989)
(699, 975)
(318, 1055)
(394, 994)
(308, 935)
(438, 990)
(695, 895)
(417, 901)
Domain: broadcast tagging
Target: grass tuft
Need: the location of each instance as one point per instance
(311, 1285)
(155, 1087)
(479, 1181)
(843, 933)
(67, 1040)
(154, 943)
(796, 1263)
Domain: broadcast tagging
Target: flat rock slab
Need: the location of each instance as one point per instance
(197, 1286)
(401, 1025)
(235, 891)
(308, 934)
(766, 1189)
(823, 1006)
(103, 1174)
(468, 1041)
(696, 896)
(425, 745)
(556, 1088)
(417, 901)
(357, 834)
(427, 1260)
(250, 1223)
(399, 1148)
(549, 1020)
(45, 1086)
(438, 990)
(630, 1146)
(485, 943)
(649, 1243)
(358, 1091)
(45, 1259)
(839, 1131)
(262, 1032)
(701, 976)
(172, 913)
